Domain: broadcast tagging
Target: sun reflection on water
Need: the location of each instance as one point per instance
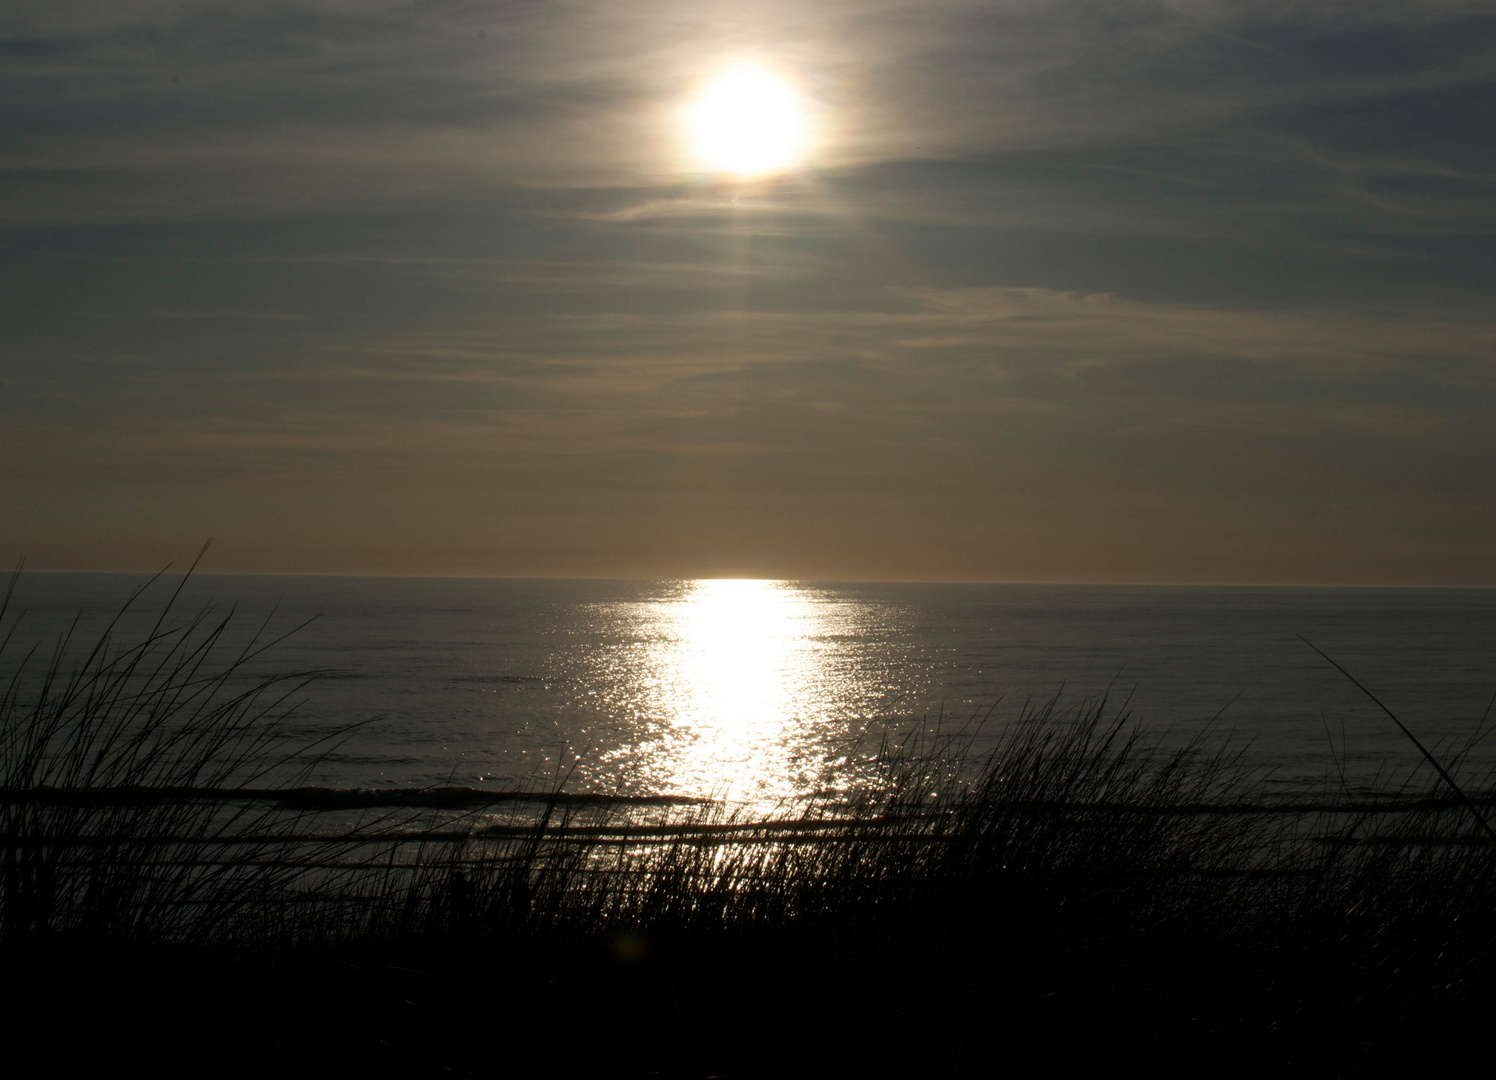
(738, 675)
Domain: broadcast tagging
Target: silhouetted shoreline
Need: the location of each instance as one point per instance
(1082, 886)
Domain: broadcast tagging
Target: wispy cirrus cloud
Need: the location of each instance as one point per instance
(1062, 280)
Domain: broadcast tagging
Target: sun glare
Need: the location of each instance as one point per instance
(748, 122)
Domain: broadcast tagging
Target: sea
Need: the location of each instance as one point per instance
(762, 694)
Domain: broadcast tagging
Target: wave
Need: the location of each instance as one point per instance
(324, 798)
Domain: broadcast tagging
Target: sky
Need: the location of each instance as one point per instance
(1076, 291)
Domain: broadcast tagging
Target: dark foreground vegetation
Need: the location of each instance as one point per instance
(1080, 897)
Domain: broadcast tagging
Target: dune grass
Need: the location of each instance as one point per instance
(1079, 882)
(94, 741)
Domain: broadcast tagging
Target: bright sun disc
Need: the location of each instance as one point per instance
(748, 122)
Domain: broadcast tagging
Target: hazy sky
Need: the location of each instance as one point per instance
(1093, 290)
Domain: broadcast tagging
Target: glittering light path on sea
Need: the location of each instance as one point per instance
(740, 680)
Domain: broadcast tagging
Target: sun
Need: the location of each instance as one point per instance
(748, 122)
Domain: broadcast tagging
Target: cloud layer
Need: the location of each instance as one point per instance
(1070, 291)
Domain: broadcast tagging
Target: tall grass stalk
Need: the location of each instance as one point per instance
(102, 752)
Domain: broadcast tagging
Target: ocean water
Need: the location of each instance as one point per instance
(761, 692)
